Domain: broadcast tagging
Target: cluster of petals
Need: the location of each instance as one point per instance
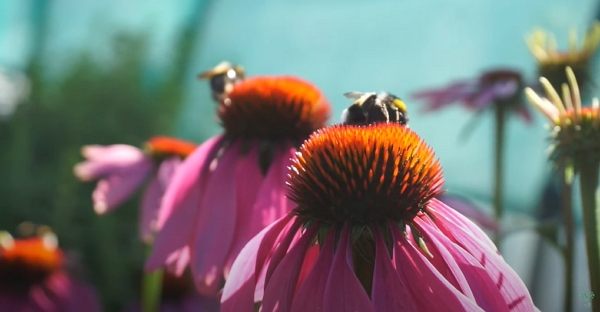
(121, 170)
(221, 196)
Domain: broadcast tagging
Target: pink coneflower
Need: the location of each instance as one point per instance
(122, 169)
(32, 278)
(367, 234)
(233, 185)
(495, 87)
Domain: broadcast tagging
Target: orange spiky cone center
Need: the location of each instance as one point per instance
(166, 146)
(364, 174)
(273, 108)
(27, 262)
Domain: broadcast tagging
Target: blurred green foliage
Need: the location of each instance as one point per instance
(93, 103)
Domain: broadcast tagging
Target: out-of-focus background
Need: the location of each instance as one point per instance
(78, 72)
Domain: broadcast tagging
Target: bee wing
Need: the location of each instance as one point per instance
(222, 68)
(354, 95)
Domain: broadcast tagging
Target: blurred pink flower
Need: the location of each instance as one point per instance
(122, 169)
(233, 185)
(494, 87)
(32, 278)
(368, 235)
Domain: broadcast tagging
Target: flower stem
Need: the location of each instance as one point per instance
(588, 171)
(569, 250)
(498, 167)
(151, 289)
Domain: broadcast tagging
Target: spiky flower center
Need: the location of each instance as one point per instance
(273, 108)
(160, 147)
(365, 174)
(25, 262)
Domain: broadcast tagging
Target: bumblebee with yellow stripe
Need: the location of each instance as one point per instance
(371, 108)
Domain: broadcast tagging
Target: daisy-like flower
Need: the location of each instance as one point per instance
(500, 87)
(32, 278)
(122, 169)
(367, 234)
(552, 62)
(233, 185)
(575, 136)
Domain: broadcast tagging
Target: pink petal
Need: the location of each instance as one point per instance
(215, 223)
(149, 209)
(389, 292)
(447, 216)
(153, 195)
(484, 289)
(238, 293)
(180, 204)
(311, 294)
(310, 258)
(109, 160)
(116, 188)
(248, 181)
(189, 179)
(525, 114)
(268, 204)
(344, 292)
(279, 290)
(178, 260)
(510, 284)
(281, 250)
(426, 281)
(471, 211)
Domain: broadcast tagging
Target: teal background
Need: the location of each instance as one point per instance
(341, 46)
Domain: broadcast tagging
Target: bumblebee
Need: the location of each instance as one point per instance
(222, 78)
(371, 107)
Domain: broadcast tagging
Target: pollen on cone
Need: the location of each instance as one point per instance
(274, 108)
(170, 146)
(364, 174)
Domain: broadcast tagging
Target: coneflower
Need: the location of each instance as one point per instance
(32, 277)
(367, 234)
(122, 169)
(575, 135)
(552, 62)
(233, 185)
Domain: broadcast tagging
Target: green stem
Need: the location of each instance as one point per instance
(569, 250)
(498, 167)
(151, 289)
(591, 223)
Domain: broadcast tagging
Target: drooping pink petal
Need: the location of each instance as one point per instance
(471, 211)
(281, 250)
(116, 188)
(152, 197)
(215, 223)
(510, 284)
(389, 292)
(108, 160)
(311, 293)
(279, 290)
(180, 204)
(248, 181)
(189, 178)
(437, 99)
(344, 292)
(426, 281)
(266, 205)
(238, 293)
(446, 216)
(310, 258)
(525, 114)
(485, 292)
